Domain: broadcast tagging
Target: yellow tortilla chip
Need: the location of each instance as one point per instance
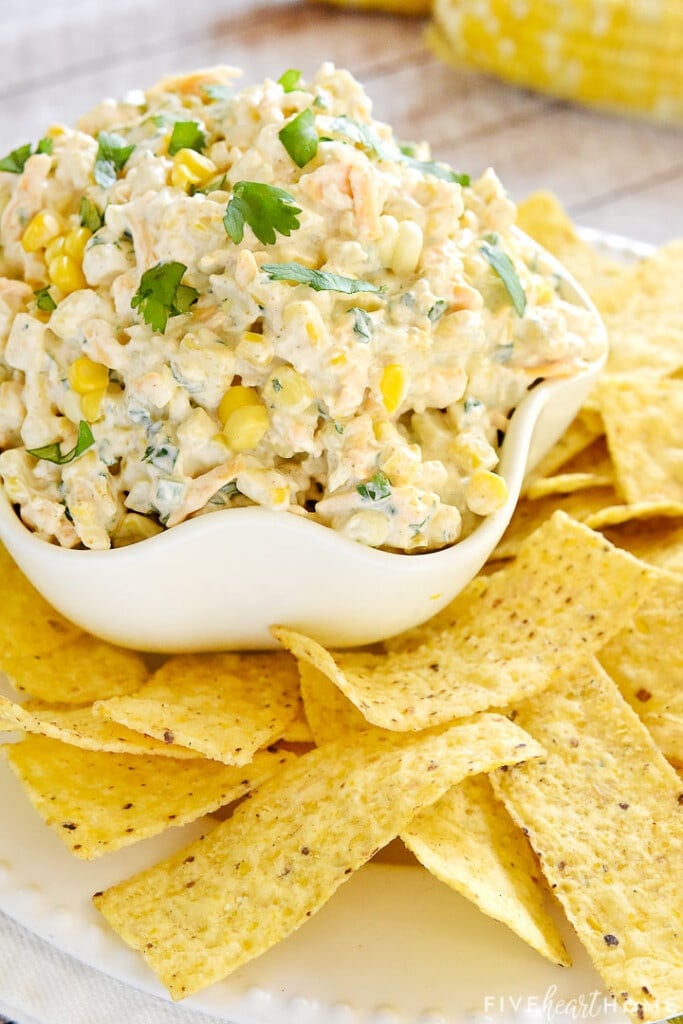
(646, 661)
(220, 902)
(644, 425)
(567, 592)
(530, 515)
(580, 435)
(224, 706)
(28, 624)
(613, 515)
(658, 541)
(604, 813)
(591, 467)
(98, 802)
(468, 840)
(80, 728)
(79, 672)
(298, 730)
(542, 216)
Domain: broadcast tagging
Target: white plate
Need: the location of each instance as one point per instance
(394, 946)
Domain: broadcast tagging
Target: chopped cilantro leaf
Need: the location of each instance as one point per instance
(437, 170)
(277, 386)
(362, 325)
(53, 452)
(505, 269)
(161, 294)
(437, 310)
(15, 161)
(44, 145)
(289, 80)
(163, 457)
(112, 154)
(91, 217)
(376, 489)
(218, 185)
(265, 208)
(186, 135)
(300, 138)
(361, 134)
(44, 300)
(318, 280)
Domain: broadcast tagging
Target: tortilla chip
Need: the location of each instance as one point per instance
(28, 624)
(604, 813)
(658, 541)
(542, 216)
(530, 515)
(566, 594)
(224, 706)
(79, 672)
(580, 435)
(80, 728)
(644, 425)
(613, 515)
(646, 662)
(98, 802)
(298, 730)
(468, 840)
(591, 467)
(201, 913)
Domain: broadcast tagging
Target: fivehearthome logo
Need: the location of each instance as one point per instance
(553, 1008)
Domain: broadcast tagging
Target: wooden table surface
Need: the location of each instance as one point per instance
(59, 57)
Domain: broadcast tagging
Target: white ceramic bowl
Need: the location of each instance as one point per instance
(219, 581)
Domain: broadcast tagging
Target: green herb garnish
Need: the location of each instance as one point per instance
(437, 310)
(218, 185)
(112, 154)
(289, 80)
(218, 92)
(15, 161)
(45, 145)
(362, 324)
(186, 135)
(91, 217)
(436, 170)
(44, 300)
(362, 135)
(161, 294)
(300, 138)
(53, 452)
(376, 489)
(505, 269)
(318, 280)
(265, 208)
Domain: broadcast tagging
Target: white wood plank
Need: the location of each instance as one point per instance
(652, 214)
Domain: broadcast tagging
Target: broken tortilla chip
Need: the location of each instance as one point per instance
(218, 903)
(566, 594)
(99, 802)
(604, 813)
(223, 706)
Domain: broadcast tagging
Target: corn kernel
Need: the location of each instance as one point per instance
(54, 248)
(339, 360)
(75, 242)
(133, 528)
(279, 496)
(41, 230)
(387, 243)
(406, 255)
(91, 404)
(473, 452)
(252, 337)
(382, 430)
(287, 388)
(66, 273)
(55, 130)
(191, 168)
(235, 398)
(246, 426)
(367, 527)
(485, 492)
(85, 375)
(392, 386)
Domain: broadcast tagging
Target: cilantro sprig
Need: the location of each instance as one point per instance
(505, 269)
(318, 280)
(111, 158)
(265, 208)
(53, 452)
(161, 294)
(186, 135)
(376, 489)
(300, 138)
(90, 216)
(15, 161)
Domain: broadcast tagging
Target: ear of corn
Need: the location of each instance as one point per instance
(395, 6)
(624, 55)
